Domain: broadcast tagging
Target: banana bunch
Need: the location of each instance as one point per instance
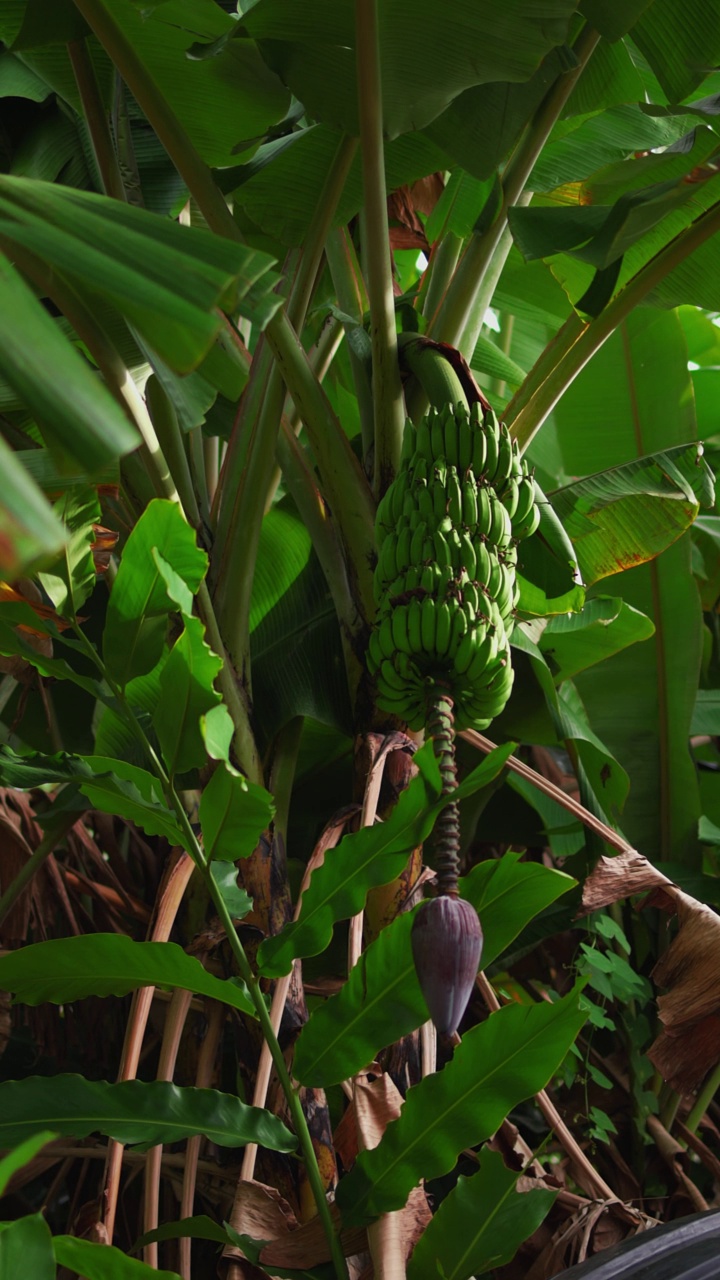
(445, 583)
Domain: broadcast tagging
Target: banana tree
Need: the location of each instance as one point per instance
(354, 347)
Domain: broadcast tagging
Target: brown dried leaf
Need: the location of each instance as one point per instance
(689, 1045)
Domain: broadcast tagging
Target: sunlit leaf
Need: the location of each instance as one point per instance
(109, 964)
(574, 641)
(627, 515)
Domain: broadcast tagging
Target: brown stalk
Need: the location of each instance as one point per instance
(175, 882)
(203, 1079)
(175, 1020)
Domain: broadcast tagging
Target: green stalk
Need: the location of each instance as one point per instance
(321, 359)
(96, 119)
(387, 390)
(317, 233)
(443, 263)
(352, 300)
(341, 475)
(703, 1100)
(246, 478)
(282, 774)
(451, 321)
(302, 485)
(192, 169)
(167, 428)
(575, 354)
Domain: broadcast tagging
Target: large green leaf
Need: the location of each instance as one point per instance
(73, 409)
(186, 692)
(573, 642)
(312, 49)
(26, 1249)
(133, 1112)
(103, 1261)
(166, 279)
(297, 659)
(627, 515)
(220, 101)
(382, 1001)
(679, 43)
(108, 964)
(233, 815)
(505, 1059)
(480, 1224)
(279, 187)
(161, 568)
(635, 398)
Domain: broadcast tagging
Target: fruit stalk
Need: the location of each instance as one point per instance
(446, 847)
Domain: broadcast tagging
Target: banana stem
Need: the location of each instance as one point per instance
(446, 844)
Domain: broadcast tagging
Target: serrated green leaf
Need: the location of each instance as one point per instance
(109, 964)
(133, 1112)
(507, 1058)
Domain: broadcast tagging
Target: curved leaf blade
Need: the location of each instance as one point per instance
(103, 1261)
(143, 595)
(109, 964)
(133, 1112)
(372, 856)
(480, 1224)
(499, 1063)
(382, 1001)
